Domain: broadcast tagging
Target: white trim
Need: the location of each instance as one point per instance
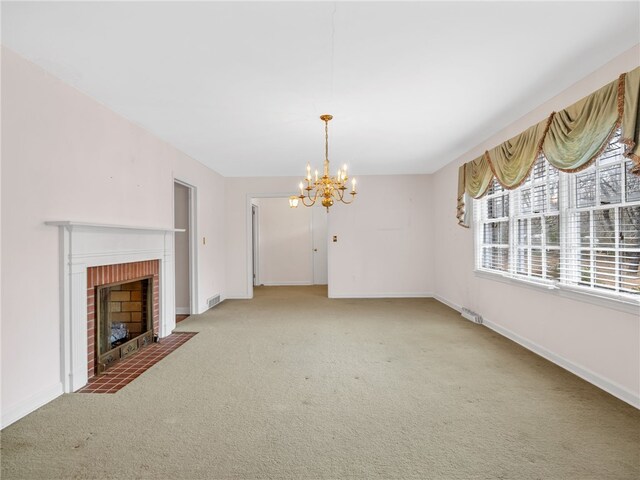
(311, 254)
(241, 296)
(84, 245)
(183, 311)
(249, 237)
(193, 246)
(449, 304)
(255, 244)
(599, 298)
(288, 284)
(362, 295)
(249, 245)
(30, 404)
(514, 280)
(194, 273)
(608, 386)
(570, 244)
(384, 295)
(107, 255)
(69, 223)
(574, 293)
(613, 388)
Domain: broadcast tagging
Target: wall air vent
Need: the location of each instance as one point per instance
(471, 316)
(213, 301)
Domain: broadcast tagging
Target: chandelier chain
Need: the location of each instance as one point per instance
(326, 140)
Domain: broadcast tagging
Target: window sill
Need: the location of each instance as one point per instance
(602, 299)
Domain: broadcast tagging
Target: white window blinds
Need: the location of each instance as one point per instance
(580, 230)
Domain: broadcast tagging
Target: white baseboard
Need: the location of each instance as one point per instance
(383, 295)
(449, 304)
(284, 284)
(35, 401)
(245, 296)
(238, 296)
(599, 381)
(607, 385)
(183, 310)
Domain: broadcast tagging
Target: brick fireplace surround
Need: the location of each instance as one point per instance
(97, 254)
(106, 274)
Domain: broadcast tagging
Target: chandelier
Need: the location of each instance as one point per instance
(326, 188)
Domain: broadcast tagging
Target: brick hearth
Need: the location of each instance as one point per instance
(106, 274)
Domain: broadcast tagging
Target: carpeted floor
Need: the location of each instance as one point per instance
(293, 385)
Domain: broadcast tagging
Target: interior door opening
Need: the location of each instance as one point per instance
(255, 235)
(183, 195)
(319, 217)
(288, 246)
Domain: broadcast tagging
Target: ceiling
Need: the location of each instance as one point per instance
(239, 86)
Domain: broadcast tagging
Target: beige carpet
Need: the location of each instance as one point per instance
(292, 385)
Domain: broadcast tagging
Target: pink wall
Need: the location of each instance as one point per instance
(66, 157)
(384, 240)
(239, 191)
(384, 246)
(598, 343)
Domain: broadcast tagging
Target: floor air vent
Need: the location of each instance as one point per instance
(213, 301)
(471, 316)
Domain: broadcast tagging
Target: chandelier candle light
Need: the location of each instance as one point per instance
(327, 188)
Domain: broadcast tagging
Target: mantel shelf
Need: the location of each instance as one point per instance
(84, 245)
(71, 224)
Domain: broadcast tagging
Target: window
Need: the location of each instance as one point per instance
(580, 230)
(495, 241)
(537, 222)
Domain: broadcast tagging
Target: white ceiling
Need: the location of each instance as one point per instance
(239, 86)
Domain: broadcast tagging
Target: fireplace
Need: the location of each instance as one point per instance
(123, 321)
(122, 312)
(93, 254)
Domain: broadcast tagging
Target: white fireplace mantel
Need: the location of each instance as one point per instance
(84, 245)
(70, 224)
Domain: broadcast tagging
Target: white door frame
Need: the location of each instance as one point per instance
(314, 245)
(249, 232)
(193, 244)
(255, 244)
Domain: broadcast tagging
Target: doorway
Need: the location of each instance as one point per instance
(288, 246)
(183, 249)
(319, 219)
(255, 242)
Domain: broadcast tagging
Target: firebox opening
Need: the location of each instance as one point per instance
(124, 321)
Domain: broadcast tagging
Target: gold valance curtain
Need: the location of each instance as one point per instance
(570, 140)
